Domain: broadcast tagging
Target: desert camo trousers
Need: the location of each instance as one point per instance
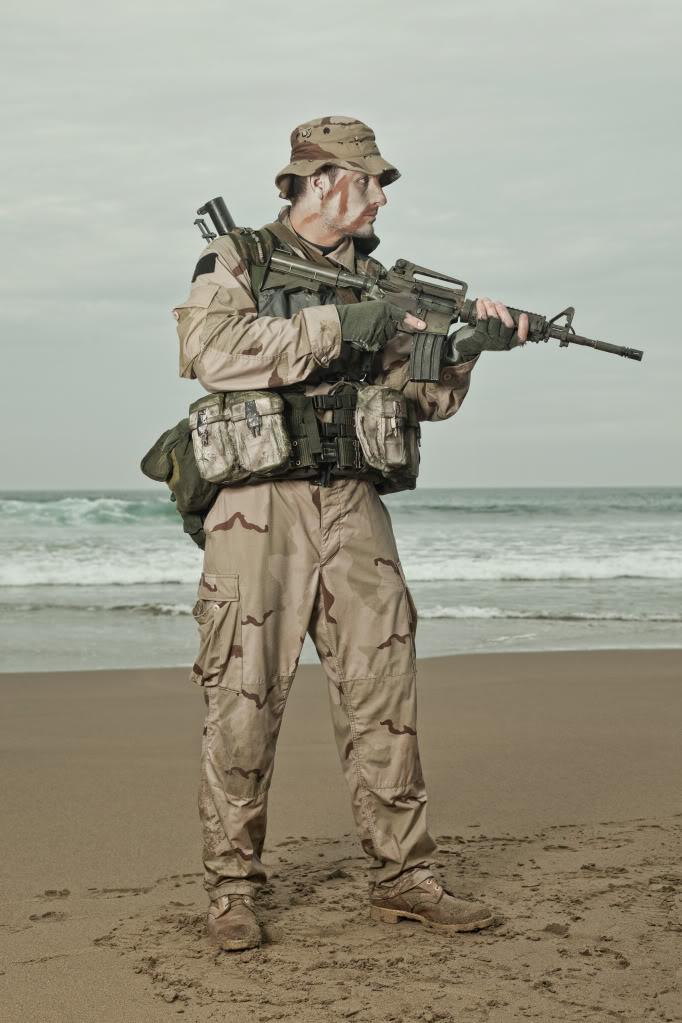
(282, 559)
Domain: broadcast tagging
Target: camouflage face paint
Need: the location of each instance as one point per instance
(351, 205)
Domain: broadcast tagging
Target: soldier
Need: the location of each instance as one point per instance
(313, 551)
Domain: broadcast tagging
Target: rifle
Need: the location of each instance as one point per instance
(437, 299)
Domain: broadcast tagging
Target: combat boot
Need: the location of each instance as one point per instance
(232, 923)
(433, 906)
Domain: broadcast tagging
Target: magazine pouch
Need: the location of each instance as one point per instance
(258, 432)
(388, 430)
(214, 448)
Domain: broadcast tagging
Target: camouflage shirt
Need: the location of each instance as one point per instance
(227, 346)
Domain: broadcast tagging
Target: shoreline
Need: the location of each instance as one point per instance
(661, 648)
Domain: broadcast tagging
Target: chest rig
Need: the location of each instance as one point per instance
(321, 427)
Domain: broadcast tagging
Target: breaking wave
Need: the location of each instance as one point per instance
(83, 510)
(153, 506)
(89, 568)
(644, 565)
(550, 616)
(159, 562)
(165, 610)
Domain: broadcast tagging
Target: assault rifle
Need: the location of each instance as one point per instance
(437, 299)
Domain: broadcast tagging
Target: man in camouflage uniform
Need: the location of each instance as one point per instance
(290, 556)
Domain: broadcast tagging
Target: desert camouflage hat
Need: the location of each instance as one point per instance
(342, 141)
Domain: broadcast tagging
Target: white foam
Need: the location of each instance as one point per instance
(164, 564)
(177, 560)
(465, 611)
(644, 565)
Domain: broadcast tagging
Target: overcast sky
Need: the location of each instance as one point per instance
(539, 144)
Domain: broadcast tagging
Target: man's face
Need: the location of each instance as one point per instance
(351, 204)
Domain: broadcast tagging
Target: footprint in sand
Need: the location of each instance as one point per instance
(116, 893)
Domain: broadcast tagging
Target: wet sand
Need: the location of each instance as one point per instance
(554, 782)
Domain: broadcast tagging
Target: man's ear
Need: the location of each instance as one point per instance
(319, 183)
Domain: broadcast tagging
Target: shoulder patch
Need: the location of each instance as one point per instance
(206, 265)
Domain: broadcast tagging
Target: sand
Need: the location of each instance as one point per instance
(555, 794)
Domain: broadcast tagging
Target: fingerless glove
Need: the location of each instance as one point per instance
(369, 325)
(489, 335)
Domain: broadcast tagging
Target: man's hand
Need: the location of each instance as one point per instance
(495, 331)
(370, 325)
(413, 322)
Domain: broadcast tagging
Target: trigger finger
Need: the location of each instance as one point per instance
(413, 321)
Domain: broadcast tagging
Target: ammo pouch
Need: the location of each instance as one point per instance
(368, 432)
(388, 430)
(238, 434)
(171, 460)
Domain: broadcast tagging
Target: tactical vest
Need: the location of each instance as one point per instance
(327, 447)
(321, 449)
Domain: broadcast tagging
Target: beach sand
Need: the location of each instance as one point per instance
(554, 782)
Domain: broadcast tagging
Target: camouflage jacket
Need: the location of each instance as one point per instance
(227, 346)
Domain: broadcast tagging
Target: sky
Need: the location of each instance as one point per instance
(539, 147)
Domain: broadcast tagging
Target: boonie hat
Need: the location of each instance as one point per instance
(342, 141)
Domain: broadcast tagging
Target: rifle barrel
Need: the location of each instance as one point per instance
(539, 331)
(601, 346)
(308, 271)
(465, 311)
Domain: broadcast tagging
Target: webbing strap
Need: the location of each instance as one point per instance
(255, 249)
(337, 429)
(257, 274)
(349, 453)
(303, 429)
(317, 443)
(335, 401)
(344, 416)
(312, 428)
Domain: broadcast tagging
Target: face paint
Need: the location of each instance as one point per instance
(352, 203)
(342, 187)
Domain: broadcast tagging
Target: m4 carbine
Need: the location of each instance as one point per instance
(437, 299)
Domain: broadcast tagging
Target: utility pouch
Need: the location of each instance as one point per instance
(171, 460)
(258, 431)
(388, 430)
(215, 452)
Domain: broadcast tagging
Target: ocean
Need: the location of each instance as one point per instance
(94, 579)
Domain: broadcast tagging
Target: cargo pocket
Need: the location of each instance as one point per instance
(217, 614)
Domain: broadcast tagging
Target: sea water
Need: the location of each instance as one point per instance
(108, 579)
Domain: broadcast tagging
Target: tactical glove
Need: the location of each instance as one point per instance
(489, 335)
(369, 325)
